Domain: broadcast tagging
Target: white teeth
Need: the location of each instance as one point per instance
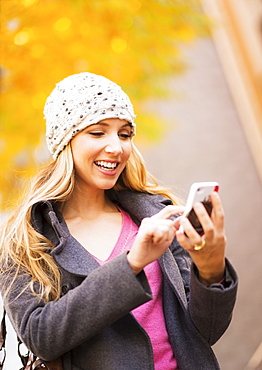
(104, 164)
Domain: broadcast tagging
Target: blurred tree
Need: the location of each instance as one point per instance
(136, 43)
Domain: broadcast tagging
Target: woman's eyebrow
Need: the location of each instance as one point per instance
(128, 124)
(99, 124)
(93, 125)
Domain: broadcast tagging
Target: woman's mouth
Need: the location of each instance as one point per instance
(107, 166)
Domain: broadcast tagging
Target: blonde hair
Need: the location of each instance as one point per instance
(25, 249)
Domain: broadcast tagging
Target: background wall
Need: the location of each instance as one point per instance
(207, 143)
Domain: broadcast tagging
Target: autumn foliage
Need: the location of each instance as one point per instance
(136, 43)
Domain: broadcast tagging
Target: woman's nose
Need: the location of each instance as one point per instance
(114, 146)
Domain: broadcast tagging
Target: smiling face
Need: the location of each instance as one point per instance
(100, 153)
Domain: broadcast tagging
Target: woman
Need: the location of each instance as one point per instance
(94, 266)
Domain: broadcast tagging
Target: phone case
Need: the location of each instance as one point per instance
(199, 192)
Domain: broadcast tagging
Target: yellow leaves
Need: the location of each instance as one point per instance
(28, 2)
(62, 24)
(21, 38)
(84, 29)
(118, 45)
(136, 43)
(81, 65)
(38, 100)
(37, 51)
(153, 128)
(135, 5)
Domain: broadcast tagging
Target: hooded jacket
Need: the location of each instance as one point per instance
(91, 326)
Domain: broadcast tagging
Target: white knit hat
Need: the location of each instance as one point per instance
(81, 100)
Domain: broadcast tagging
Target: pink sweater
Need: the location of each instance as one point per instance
(150, 315)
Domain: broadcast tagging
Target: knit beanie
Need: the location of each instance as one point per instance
(81, 100)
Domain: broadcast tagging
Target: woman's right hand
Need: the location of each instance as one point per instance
(155, 235)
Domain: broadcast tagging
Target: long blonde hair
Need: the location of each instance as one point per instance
(25, 249)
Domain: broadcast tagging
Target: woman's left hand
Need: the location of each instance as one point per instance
(210, 259)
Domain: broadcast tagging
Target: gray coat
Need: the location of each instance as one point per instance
(91, 325)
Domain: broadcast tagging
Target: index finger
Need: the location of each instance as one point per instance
(169, 211)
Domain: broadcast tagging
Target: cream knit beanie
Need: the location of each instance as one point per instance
(79, 101)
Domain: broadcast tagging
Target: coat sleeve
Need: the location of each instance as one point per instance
(52, 329)
(211, 307)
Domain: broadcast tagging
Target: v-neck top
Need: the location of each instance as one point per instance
(150, 315)
(126, 238)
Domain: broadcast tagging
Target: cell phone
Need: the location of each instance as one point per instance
(199, 192)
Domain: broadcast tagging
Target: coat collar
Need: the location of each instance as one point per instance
(68, 252)
(139, 205)
(74, 258)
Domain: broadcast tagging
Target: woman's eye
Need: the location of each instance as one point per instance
(125, 136)
(97, 134)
